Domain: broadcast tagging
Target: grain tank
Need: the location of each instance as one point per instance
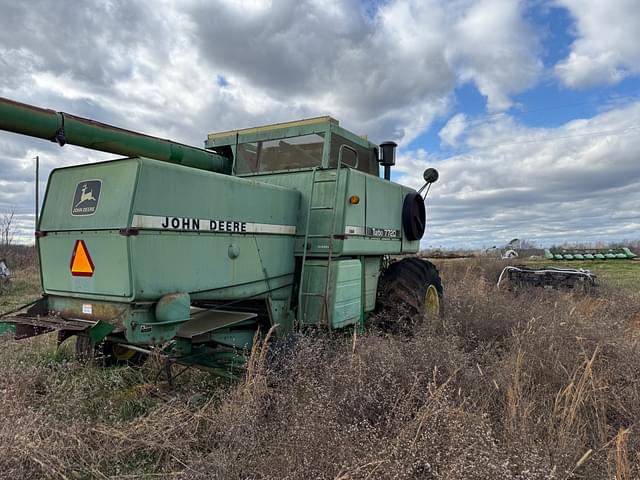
(192, 251)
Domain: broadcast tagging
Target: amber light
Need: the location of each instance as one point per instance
(354, 199)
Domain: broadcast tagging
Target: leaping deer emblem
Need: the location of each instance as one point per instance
(85, 196)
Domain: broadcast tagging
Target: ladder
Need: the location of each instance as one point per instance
(304, 295)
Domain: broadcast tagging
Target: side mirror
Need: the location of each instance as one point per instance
(430, 176)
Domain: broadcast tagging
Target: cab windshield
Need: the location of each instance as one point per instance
(304, 151)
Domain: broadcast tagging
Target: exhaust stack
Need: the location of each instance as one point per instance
(388, 159)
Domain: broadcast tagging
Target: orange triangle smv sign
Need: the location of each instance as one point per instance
(81, 263)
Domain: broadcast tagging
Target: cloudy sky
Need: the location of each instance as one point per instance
(530, 109)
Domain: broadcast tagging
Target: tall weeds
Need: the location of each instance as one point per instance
(542, 385)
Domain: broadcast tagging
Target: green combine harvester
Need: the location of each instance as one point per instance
(623, 253)
(191, 252)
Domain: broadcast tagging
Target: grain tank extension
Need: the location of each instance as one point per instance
(192, 251)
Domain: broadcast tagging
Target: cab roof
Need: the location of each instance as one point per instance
(306, 126)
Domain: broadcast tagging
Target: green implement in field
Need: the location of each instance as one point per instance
(193, 251)
(7, 327)
(622, 253)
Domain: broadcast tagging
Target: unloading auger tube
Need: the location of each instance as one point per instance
(64, 128)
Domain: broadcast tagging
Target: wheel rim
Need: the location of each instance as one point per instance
(122, 354)
(432, 302)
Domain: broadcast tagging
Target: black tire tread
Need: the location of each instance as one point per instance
(401, 291)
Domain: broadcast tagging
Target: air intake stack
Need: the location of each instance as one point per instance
(388, 159)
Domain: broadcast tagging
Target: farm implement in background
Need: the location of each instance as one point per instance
(518, 277)
(580, 279)
(622, 253)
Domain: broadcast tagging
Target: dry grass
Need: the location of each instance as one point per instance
(538, 386)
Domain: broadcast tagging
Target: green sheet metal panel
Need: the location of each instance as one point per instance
(165, 262)
(193, 257)
(354, 214)
(347, 293)
(373, 226)
(113, 202)
(191, 230)
(313, 308)
(383, 214)
(344, 300)
(109, 253)
(371, 276)
(384, 206)
(108, 188)
(171, 190)
(320, 216)
(362, 229)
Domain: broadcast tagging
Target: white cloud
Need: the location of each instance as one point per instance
(455, 127)
(496, 49)
(577, 182)
(606, 49)
(389, 74)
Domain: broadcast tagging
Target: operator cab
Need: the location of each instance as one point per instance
(301, 145)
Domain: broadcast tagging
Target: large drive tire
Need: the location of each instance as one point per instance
(409, 291)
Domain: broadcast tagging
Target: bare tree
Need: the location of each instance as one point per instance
(7, 228)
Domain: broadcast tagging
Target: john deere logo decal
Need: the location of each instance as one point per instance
(85, 201)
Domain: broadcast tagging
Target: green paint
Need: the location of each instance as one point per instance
(47, 124)
(99, 331)
(7, 327)
(173, 308)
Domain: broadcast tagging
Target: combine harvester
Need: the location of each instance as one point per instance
(192, 252)
(623, 253)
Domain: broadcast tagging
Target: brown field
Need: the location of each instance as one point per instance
(543, 385)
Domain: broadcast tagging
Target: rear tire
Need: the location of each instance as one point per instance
(409, 291)
(116, 355)
(106, 354)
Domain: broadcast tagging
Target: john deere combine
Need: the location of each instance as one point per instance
(192, 251)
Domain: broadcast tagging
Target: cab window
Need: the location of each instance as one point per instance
(304, 151)
(354, 156)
